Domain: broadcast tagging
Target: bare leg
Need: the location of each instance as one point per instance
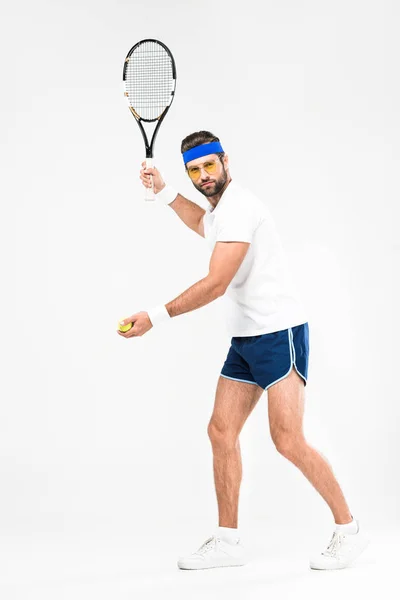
(234, 402)
(286, 409)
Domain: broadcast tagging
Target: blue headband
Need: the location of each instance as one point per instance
(202, 150)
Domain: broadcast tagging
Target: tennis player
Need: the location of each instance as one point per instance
(269, 348)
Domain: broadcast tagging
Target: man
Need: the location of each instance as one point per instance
(269, 348)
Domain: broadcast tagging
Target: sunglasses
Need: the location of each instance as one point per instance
(210, 167)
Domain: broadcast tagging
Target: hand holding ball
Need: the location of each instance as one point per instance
(124, 327)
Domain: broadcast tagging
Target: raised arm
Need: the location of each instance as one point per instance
(189, 212)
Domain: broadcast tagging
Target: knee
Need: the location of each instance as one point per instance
(288, 444)
(221, 435)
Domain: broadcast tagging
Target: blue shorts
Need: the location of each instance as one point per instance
(266, 359)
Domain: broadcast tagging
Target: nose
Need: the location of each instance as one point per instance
(204, 174)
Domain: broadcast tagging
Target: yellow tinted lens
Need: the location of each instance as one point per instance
(194, 172)
(210, 167)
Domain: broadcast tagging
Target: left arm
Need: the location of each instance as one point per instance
(225, 261)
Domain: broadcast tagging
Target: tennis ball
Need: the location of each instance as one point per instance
(124, 327)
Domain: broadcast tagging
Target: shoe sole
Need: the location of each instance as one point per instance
(361, 549)
(195, 567)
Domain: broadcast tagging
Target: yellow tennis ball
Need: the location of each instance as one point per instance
(124, 327)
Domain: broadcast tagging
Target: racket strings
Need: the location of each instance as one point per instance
(149, 80)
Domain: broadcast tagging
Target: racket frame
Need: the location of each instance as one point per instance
(149, 145)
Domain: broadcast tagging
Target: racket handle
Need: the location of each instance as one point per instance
(150, 195)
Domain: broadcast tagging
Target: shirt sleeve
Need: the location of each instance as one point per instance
(237, 225)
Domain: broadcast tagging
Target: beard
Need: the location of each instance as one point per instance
(215, 185)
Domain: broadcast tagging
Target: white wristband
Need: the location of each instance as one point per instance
(158, 315)
(167, 194)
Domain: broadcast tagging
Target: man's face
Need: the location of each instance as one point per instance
(208, 174)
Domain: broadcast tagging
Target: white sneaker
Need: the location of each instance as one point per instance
(215, 552)
(342, 550)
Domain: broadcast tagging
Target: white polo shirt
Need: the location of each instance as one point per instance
(261, 297)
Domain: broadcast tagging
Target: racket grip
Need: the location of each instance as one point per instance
(150, 195)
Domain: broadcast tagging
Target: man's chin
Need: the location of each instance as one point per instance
(208, 190)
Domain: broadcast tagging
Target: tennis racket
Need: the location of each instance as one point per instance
(149, 78)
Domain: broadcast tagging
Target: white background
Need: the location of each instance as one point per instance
(103, 440)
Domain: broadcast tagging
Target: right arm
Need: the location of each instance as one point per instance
(189, 212)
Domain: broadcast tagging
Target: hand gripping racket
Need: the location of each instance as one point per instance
(149, 78)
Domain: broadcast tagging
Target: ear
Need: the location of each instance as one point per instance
(226, 161)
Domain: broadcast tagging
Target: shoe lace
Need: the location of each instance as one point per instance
(208, 545)
(334, 545)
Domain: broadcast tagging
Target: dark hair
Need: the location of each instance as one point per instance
(197, 138)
